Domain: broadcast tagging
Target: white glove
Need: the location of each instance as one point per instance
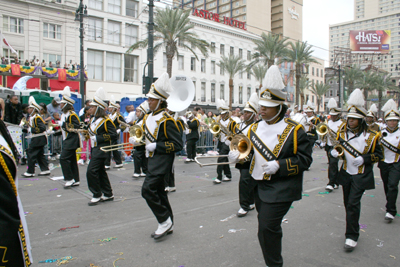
(234, 156)
(227, 142)
(118, 131)
(358, 161)
(49, 132)
(151, 147)
(271, 167)
(322, 144)
(133, 141)
(60, 123)
(334, 153)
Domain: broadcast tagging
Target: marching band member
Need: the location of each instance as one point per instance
(223, 143)
(162, 141)
(71, 140)
(35, 151)
(192, 137)
(139, 155)
(370, 119)
(14, 237)
(381, 123)
(116, 118)
(390, 166)
(246, 183)
(311, 122)
(334, 124)
(102, 133)
(356, 174)
(281, 154)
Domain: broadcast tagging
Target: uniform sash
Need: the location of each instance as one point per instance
(349, 148)
(390, 146)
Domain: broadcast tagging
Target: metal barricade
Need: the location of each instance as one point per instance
(206, 142)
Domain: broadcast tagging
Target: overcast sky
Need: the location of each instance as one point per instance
(318, 15)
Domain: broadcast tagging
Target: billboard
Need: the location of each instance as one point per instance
(370, 41)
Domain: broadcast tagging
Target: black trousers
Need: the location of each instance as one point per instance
(115, 154)
(36, 154)
(191, 148)
(270, 217)
(247, 186)
(69, 166)
(352, 202)
(170, 178)
(97, 178)
(223, 150)
(333, 170)
(139, 161)
(390, 174)
(153, 191)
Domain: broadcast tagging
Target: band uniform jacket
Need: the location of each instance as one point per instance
(335, 127)
(160, 128)
(105, 132)
(374, 127)
(287, 142)
(230, 125)
(366, 144)
(241, 128)
(193, 129)
(115, 117)
(37, 126)
(71, 140)
(312, 122)
(181, 125)
(393, 139)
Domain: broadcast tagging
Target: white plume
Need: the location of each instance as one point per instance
(112, 99)
(310, 104)
(31, 100)
(390, 105)
(145, 106)
(332, 103)
(67, 91)
(100, 94)
(373, 108)
(254, 101)
(356, 98)
(273, 78)
(220, 103)
(163, 83)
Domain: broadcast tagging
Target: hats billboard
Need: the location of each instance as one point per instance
(356, 105)
(271, 92)
(332, 107)
(252, 104)
(222, 107)
(390, 109)
(161, 88)
(66, 96)
(98, 99)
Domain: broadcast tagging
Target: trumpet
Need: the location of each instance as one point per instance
(24, 123)
(136, 132)
(323, 130)
(239, 143)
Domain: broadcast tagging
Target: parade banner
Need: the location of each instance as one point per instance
(62, 75)
(15, 70)
(27, 69)
(370, 41)
(49, 72)
(16, 135)
(5, 68)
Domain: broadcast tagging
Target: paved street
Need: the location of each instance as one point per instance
(207, 231)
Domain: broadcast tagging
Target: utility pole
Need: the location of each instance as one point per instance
(150, 52)
(81, 12)
(340, 89)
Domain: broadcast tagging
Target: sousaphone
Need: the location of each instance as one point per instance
(182, 95)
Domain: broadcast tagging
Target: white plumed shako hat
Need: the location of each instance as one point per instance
(356, 105)
(390, 109)
(161, 88)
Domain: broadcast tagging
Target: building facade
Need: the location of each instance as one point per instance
(364, 9)
(315, 76)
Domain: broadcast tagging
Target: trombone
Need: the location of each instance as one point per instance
(50, 127)
(136, 132)
(239, 143)
(323, 130)
(82, 131)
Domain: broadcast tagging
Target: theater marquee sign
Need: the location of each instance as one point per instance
(215, 17)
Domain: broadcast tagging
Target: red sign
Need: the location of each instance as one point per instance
(57, 85)
(370, 41)
(215, 17)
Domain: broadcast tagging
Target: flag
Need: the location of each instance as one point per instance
(4, 42)
(62, 75)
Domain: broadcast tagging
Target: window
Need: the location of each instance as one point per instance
(212, 47)
(11, 57)
(193, 64)
(11, 24)
(51, 58)
(131, 68)
(212, 67)
(222, 91)
(113, 61)
(322, 73)
(240, 53)
(194, 97)
(240, 94)
(232, 51)
(181, 62)
(96, 4)
(114, 32)
(248, 74)
(95, 64)
(248, 93)
(313, 71)
(222, 50)
(131, 34)
(221, 71)
(165, 62)
(95, 29)
(203, 65)
(317, 72)
(248, 55)
(114, 6)
(213, 92)
(312, 98)
(240, 74)
(51, 31)
(131, 8)
(203, 92)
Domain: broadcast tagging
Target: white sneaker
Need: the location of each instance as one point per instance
(329, 188)
(119, 165)
(217, 181)
(166, 189)
(241, 213)
(44, 173)
(350, 244)
(188, 160)
(389, 217)
(172, 189)
(163, 228)
(103, 198)
(27, 174)
(94, 201)
(81, 162)
(252, 206)
(107, 167)
(226, 179)
(70, 183)
(143, 174)
(335, 186)
(58, 156)
(136, 175)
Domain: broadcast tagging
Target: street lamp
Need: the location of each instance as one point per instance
(339, 93)
(81, 12)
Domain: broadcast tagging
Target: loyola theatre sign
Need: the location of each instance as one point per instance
(215, 17)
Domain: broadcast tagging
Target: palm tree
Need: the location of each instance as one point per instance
(232, 65)
(268, 48)
(173, 27)
(352, 76)
(300, 53)
(319, 90)
(259, 71)
(384, 83)
(368, 83)
(304, 84)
